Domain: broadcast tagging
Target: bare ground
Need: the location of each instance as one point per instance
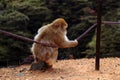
(80, 69)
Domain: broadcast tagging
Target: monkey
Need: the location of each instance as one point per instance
(55, 34)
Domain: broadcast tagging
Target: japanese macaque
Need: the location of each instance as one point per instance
(53, 34)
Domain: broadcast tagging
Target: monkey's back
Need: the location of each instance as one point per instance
(44, 53)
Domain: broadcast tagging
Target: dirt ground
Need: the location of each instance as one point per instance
(80, 69)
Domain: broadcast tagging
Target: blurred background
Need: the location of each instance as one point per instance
(25, 17)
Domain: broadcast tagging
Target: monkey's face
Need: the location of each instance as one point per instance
(64, 29)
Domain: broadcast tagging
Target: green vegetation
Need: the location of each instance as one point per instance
(24, 17)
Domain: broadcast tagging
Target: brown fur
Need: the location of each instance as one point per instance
(54, 34)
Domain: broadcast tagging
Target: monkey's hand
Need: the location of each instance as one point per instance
(76, 42)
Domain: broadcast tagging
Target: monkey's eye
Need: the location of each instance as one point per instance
(65, 27)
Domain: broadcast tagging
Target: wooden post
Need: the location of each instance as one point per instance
(97, 60)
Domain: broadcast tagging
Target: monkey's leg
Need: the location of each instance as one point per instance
(40, 66)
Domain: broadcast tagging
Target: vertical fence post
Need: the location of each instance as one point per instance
(97, 59)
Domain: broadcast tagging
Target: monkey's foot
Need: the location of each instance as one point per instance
(40, 66)
(46, 66)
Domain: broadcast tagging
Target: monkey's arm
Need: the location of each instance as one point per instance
(64, 42)
(68, 44)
